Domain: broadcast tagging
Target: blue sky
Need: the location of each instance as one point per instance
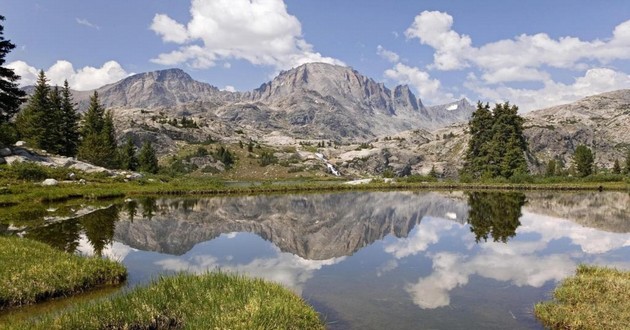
(533, 53)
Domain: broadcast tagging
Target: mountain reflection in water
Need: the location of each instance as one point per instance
(369, 259)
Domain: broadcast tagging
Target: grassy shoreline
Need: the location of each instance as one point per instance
(30, 192)
(32, 272)
(594, 298)
(209, 301)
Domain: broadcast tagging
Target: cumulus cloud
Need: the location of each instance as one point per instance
(594, 81)
(497, 65)
(261, 32)
(387, 54)
(86, 78)
(429, 89)
(229, 88)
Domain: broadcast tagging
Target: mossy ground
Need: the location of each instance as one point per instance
(32, 272)
(595, 298)
(184, 301)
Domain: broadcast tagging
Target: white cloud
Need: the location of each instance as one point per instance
(86, 78)
(229, 88)
(594, 81)
(387, 54)
(429, 89)
(261, 32)
(87, 23)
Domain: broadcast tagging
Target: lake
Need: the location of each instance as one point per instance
(364, 260)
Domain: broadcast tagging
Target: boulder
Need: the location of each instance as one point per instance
(50, 182)
(20, 144)
(5, 152)
(2, 161)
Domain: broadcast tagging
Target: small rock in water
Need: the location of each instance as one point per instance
(50, 182)
(5, 152)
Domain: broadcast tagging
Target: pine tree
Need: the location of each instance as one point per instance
(11, 96)
(127, 159)
(53, 135)
(147, 159)
(583, 160)
(31, 121)
(69, 123)
(626, 168)
(98, 145)
(551, 168)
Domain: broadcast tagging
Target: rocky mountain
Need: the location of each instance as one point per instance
(315, 227)
(599, 121)
(315, 100)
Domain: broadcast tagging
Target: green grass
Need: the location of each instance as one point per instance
(31, 272)
(184, 301)
(595, 298)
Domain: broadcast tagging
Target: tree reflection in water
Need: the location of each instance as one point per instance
(494, 214)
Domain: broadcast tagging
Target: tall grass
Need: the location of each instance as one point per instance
(185, 301)
(31, 272)
(595, 298)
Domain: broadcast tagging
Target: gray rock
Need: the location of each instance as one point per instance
(20, 144)
(2, 161)
(5, 152)
(50, 182)
(72, 176)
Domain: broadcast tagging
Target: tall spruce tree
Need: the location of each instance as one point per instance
(127, 159)
(11, 96)
(583, 159)
(53, 135)
(98, 144)
(626, 166)
(69, 123)
(497, 145)
(31, 121)
(147, 159)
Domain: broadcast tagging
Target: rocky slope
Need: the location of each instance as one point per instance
(315, 100)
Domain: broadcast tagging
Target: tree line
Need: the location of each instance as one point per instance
(50, 121)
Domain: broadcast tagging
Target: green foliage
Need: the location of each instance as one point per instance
(8, 134)
(433, 172)
(583, 160)
(127, 159)
(497, 145)
(11, 96)
(69, 124)
(626, 167)
(551, 168)
(494, 214)
(225, 156)
(147, 159)
(30, 121)
(267, 158)
(250, 146)
(98, 145)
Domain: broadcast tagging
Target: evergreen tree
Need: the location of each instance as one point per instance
(53, 136)
(31, 121)
(583, 160)
(497, 145)
(127, 159)
(98, 144)
(147, 159)
(69, 123)
(626, 168)
(11, 96)
(616, 167)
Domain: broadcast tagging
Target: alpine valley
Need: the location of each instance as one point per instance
(319, 114)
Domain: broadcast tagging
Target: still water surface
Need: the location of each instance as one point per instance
(365, 260)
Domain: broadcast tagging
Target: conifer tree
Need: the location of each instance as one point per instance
(53, 136)
(98, 144)
(626, 167)
(147, 159)
(583, 160)
(11, 96)
(69, 123)
(30, 121)
(551, 168)
(127, 159)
